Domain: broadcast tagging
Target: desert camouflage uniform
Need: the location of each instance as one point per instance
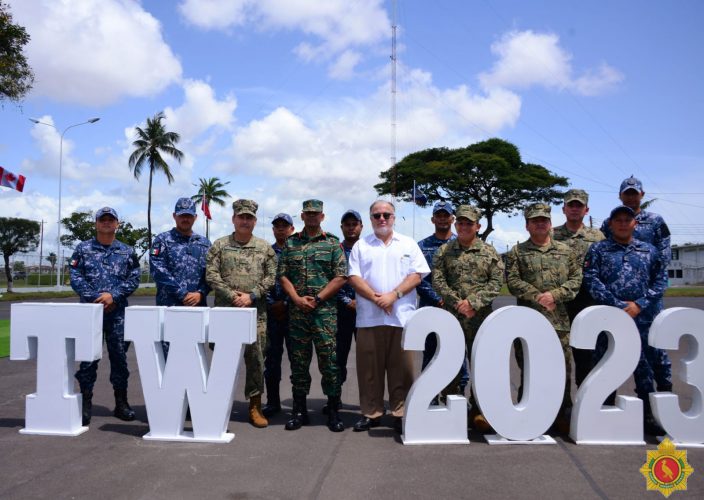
(309, 264)
(615, 273)
(475, 273)
(95, 269)
(532, 270)
(248, 268)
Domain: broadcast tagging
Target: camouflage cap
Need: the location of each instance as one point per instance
(468, 212)
(106, 211)
(443, 206)
(579, 195)
(537, 210)
(312, 206)
(185, 206)
(631, 183)
(245, 207)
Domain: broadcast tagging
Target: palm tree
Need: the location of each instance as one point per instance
(52, 260)
(213, 192)
(150, 144)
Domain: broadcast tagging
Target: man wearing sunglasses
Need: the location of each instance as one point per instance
(384, 268)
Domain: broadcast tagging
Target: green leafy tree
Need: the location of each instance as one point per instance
(489, 174)
(51, 258)
(16, 76)
(16, 235)
(213, 191)
(80, 226)
(151, 142)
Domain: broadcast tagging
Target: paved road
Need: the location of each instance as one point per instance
(112, 461)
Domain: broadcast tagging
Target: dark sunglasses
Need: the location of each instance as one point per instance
(385, 215)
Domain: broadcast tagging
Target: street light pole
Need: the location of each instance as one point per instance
(61, 161)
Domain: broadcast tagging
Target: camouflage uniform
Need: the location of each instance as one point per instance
(346, 322)
(579, 242)
(475, 273)
(277, 332)
(615, 273)
(309, 264)
(248, 268)
(95, 269)
(532, 270)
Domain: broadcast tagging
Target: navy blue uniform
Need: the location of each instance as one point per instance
(615, 273)
(652, 229)
(277, 332)
(113, 268)
(346, 322)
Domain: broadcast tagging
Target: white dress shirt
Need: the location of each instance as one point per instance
(384, 267)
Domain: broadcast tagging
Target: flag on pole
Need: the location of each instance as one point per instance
(8, 179)
(205, 208)
(419, 198)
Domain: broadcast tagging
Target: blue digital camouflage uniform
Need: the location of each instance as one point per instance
(177, 263)
(346, 322)
(277, 332)
(615, 273)
(650, 228)
(95, 269)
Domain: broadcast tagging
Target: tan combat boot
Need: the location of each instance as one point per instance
(256, 418)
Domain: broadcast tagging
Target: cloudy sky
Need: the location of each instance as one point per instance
(290, 99)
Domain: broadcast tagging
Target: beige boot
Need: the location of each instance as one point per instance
(256, 418)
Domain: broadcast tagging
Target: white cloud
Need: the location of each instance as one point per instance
(527, 58)
(335, 25)
(94, 52)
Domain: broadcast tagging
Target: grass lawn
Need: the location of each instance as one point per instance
(4, 338)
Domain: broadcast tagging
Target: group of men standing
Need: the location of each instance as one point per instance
(312, 291)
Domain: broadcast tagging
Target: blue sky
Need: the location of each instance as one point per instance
(289, 100)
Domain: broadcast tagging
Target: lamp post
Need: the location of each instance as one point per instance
(61, 160)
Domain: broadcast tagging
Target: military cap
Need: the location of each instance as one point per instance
(622, 209)
(312, 206)
(631, 183)
(284, 217)
(537, 210)
(443, 205)
(468, 212)
(106, 211)
(579, 195)
(245, 207)
(351, 213)
(185, 206)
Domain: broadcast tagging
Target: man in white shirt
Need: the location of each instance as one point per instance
(384, 269)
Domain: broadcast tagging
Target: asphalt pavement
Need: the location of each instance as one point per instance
(111, 460)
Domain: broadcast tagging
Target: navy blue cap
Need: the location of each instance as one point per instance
(631, 183)
(106, 211)
(443, 205)
(185, 206)
(350, 213)
(622, 209)
(284, 217)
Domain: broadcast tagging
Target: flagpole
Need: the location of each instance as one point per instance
(414, 209)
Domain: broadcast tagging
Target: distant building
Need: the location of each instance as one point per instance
(687, 266)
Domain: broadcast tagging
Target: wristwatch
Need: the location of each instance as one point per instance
(252, 297)
(318, 300)
(399, 293)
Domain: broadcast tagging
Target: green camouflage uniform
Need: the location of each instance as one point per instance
(475, 273)
(248, 268)
(309, 264)
(580, 241)
(532, 270)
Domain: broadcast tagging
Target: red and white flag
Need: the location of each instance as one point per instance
(8, 179)
(205, 208)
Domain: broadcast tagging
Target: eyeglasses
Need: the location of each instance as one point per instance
(385, 215)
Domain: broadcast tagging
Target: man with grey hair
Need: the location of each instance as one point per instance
(384, 269)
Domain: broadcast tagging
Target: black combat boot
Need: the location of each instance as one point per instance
(273, 401)
(87, 406)
(123, 411)
(334, 422)
(299, 414)
(650, 423)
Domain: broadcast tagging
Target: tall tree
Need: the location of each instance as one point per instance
(51, 258)
(16, 76)
(151, 142)
(81, 227)
(212, 191)
(16, 235)
(489, 174)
